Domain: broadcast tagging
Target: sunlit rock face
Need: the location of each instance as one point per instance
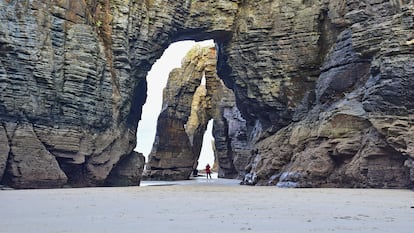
(325, 87)
(188, 106)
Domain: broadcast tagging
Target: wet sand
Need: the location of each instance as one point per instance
(201, 206)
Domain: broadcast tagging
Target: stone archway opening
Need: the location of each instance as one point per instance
(157, 80)
(194, 95)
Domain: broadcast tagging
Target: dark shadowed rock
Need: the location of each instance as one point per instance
(4, 150)
(128, 171)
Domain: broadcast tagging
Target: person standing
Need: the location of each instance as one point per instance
(208, 170)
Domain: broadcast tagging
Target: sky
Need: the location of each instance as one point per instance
(157, 80)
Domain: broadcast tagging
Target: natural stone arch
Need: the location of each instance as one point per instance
(187, 108)
(72, 77)
(83, 108)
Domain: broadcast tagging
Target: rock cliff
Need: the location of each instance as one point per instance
(62, 69)
(325, 87)
(354, 131)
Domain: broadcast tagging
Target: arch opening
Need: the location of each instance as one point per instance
(157, 80)
(207, 149)
(173, 127)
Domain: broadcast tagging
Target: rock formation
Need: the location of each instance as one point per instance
(188, 106)
(62, 67)
(325, 87)
(355, 131)
(231, 145)
(128, 171)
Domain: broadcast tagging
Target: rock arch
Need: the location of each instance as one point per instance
(80, 84)
(313, 82)
(187, 108)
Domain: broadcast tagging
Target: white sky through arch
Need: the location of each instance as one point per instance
(157, 80)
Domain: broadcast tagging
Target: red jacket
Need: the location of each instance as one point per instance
(208, 169)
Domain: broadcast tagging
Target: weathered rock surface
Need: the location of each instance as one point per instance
(231, 145)
(325, 87)
(188, 106)
(200, 115)
(37, 169)
(4, 150)
(353, 134)
(60, 77)
(128, 171)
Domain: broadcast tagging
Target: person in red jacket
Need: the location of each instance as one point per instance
(208, 170)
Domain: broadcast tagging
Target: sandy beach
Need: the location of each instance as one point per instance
(201, 206)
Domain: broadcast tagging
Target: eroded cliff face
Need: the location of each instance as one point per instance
(357, 131)
(325, 86)
(63, 73)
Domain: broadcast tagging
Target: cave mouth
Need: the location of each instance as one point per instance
(157, 79)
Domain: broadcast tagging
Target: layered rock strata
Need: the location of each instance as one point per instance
(356, 131)
(231, 145)
(188, 106)
(325, 86)
(63, 72)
